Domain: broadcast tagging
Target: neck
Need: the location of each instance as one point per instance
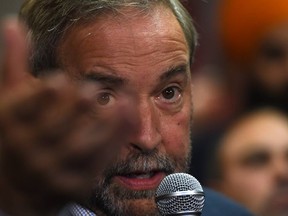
(99, 213)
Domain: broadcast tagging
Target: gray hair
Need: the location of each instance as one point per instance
(48, 20)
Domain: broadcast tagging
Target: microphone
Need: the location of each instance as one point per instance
(180, 194)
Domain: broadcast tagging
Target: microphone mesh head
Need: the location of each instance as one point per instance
(174, 204)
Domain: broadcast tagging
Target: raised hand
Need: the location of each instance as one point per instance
(52, 139)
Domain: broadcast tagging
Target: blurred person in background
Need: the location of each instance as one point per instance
(254, 35)
(249, 163)
(253, 73)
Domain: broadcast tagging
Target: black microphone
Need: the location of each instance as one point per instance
(180, 194)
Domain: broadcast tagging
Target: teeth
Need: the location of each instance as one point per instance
(141, 176)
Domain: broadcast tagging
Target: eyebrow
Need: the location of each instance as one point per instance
(174, 71)
(114, 80)
(104, 78)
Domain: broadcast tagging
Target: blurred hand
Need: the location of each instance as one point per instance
(52, 137)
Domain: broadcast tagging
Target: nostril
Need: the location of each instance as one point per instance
(135, 146)
(141, 148)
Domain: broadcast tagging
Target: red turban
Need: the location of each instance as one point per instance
(243, 23)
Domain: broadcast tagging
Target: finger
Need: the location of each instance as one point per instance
(15, 65)
(100, 136)
(59, 117)
(23, 104)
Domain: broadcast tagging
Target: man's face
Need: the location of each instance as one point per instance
(143, 57)
(254, 164)
(270, 69)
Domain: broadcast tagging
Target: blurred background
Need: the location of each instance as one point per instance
(9, 6)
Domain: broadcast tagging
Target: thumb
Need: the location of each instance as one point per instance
(15, 63)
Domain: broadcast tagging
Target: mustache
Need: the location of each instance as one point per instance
(142, 163)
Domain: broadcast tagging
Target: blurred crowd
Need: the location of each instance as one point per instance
(241, 102)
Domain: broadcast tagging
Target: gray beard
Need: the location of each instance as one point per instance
(113, 200)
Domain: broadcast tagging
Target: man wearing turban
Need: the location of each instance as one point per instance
(254, 35)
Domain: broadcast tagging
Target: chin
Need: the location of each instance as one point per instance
(141, 207)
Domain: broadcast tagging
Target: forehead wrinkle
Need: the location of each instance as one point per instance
(105, 28)
(127, 57)
(136, 67)
(136, 49)
(154, 21)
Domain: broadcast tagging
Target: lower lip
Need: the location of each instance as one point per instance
(141, 184)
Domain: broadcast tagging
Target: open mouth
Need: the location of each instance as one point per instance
(141, 180)
(140, 175)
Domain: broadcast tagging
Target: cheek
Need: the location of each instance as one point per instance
(272, 75)
(248, 186)
(176, 133)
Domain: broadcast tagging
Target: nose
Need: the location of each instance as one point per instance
(147, 134)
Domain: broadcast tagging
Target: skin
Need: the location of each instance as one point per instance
(53, 137)
(147, 59)
(271, 70)
(254, 163)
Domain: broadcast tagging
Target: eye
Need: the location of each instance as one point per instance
(170, 94)
(105, 99)
(257, 160)
(273, 52)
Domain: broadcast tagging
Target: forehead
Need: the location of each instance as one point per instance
(126, 31)
(278, 34)
(131, 44)
(264, 131)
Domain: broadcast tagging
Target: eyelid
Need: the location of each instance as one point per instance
(179, 80)
(176, 81)
(102, 92)
(174, 85)
(171, 101)
(256, 158)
